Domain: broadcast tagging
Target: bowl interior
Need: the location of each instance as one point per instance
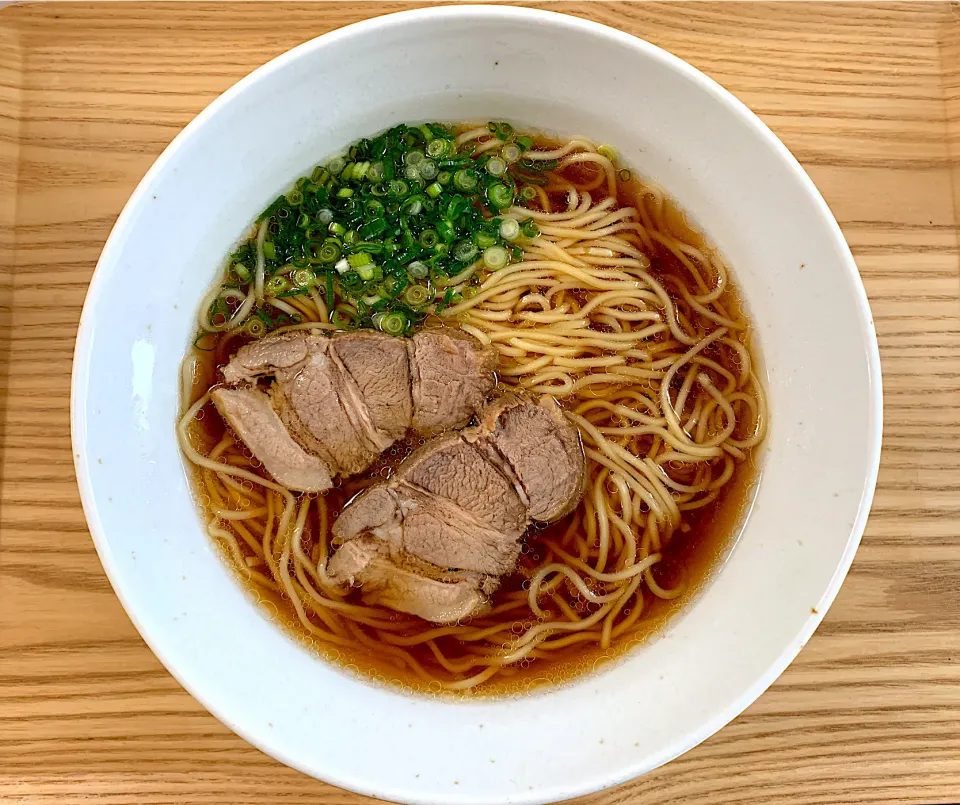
(553, 73)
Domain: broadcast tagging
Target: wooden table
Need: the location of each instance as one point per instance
(867, 97)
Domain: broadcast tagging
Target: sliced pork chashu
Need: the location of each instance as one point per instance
(379, 367)
(323, 413)
(463, 501)
(414, 522)
(346, 398)
(542, 449)
(388, 582)
(451, 377)
(251, 416)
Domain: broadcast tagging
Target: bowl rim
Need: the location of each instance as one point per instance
(116, 241)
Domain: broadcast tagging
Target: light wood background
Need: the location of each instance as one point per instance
(866, 96)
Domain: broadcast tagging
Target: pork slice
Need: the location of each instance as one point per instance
(297, 430)
(279, 351)
(374, 511)
(379, 366)
(355, 406)
(318, 400)
(451, 376)
(437, 531)
(418, 524)
(312, 393)
(544, 449)
(253, 419)
(452, 468)
(364, 562)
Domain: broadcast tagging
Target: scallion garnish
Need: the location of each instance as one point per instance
(417, 296)
(465, 251)
(380, 226)
(393, 323)
(417, 270)
(500, 196)
(495, 257)
(509, 229)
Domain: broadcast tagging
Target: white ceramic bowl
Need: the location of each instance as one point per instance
(677, 127)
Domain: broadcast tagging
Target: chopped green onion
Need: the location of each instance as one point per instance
(624, 175)
(361, 259)
(417, 296)
(509, 229)
(302, 277)
(393, 323)
(447, 299)
(511, 153)
(496, 166)
(500, 196)
(329, 251)
(374, 228)
(255, 327)
(485, 239)
(500, 129)
(608, 151)
(367, 271)
(276, 285)
(417, 270)
(437, 148)
(393, 214)
(465, 250)
(465, 180)
(445, 231)
(495, 257)
(412, 206)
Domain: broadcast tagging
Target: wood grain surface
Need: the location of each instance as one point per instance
(866, 96)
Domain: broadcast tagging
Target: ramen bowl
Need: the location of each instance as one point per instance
(675, 127)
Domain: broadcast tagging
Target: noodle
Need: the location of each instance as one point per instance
(653, 369)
